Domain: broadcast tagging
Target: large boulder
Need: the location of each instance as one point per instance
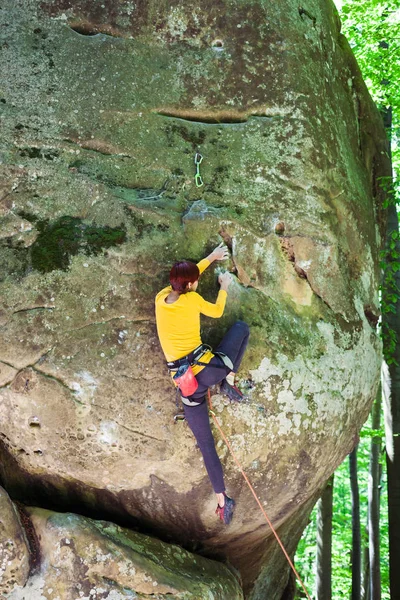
(69, 556)
(104, 111)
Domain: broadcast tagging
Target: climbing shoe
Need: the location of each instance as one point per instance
(231, 391)
(225, 512)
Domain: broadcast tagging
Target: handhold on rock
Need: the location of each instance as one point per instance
(280, 228)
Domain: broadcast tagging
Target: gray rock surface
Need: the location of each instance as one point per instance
(107, 105)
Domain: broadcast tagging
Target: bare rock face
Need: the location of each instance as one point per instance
(71, 557)
(14, 549)
(103, 114)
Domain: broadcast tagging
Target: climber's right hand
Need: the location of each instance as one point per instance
(224, 280)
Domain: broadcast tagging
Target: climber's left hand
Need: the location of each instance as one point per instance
(221, 252)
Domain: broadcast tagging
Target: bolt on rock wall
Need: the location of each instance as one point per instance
(104, 106)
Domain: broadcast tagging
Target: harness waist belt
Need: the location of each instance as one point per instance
(190, 358)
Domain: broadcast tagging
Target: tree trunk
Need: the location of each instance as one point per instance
(324, 543)
(391, 395)
(391, 381)
(356, 534)
(365, 586)
(374, 504)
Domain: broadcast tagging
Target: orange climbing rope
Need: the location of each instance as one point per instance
(255, 495)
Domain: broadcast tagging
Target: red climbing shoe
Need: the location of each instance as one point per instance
(225, 512)
(231, 391)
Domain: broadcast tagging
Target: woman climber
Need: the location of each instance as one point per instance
(178, 309)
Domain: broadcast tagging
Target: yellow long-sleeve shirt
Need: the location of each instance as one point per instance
(178, 324)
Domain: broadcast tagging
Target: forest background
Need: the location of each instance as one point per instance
(372, 28)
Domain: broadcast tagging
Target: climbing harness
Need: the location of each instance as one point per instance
(255, 495)
(197, 178)
(191, 358)
(184, 377)
(187, 385)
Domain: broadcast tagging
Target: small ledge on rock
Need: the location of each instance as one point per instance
(227, 117)
(92, 29)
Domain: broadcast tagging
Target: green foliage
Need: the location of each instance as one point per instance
(390, 293)
(373, 30)
(341, 526)
(372, 433)
(387, 184)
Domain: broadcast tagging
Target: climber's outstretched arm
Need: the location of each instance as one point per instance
(221, 252)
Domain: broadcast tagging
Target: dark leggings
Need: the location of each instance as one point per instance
(233, 345)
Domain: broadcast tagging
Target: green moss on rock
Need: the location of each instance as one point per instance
(13, 259)
(67, 236)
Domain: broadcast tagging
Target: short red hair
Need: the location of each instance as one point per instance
(181, 274)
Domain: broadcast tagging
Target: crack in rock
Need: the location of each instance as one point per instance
(60, 382)
(36, 369)
(288, 251)
(99, 146)
(228, 117)
(133, 195)
(140, 433)
(29, 308)
(94, 323)
(303, 11)
(7, 374)
(31, 538)
(4, 362)
(371, 316)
